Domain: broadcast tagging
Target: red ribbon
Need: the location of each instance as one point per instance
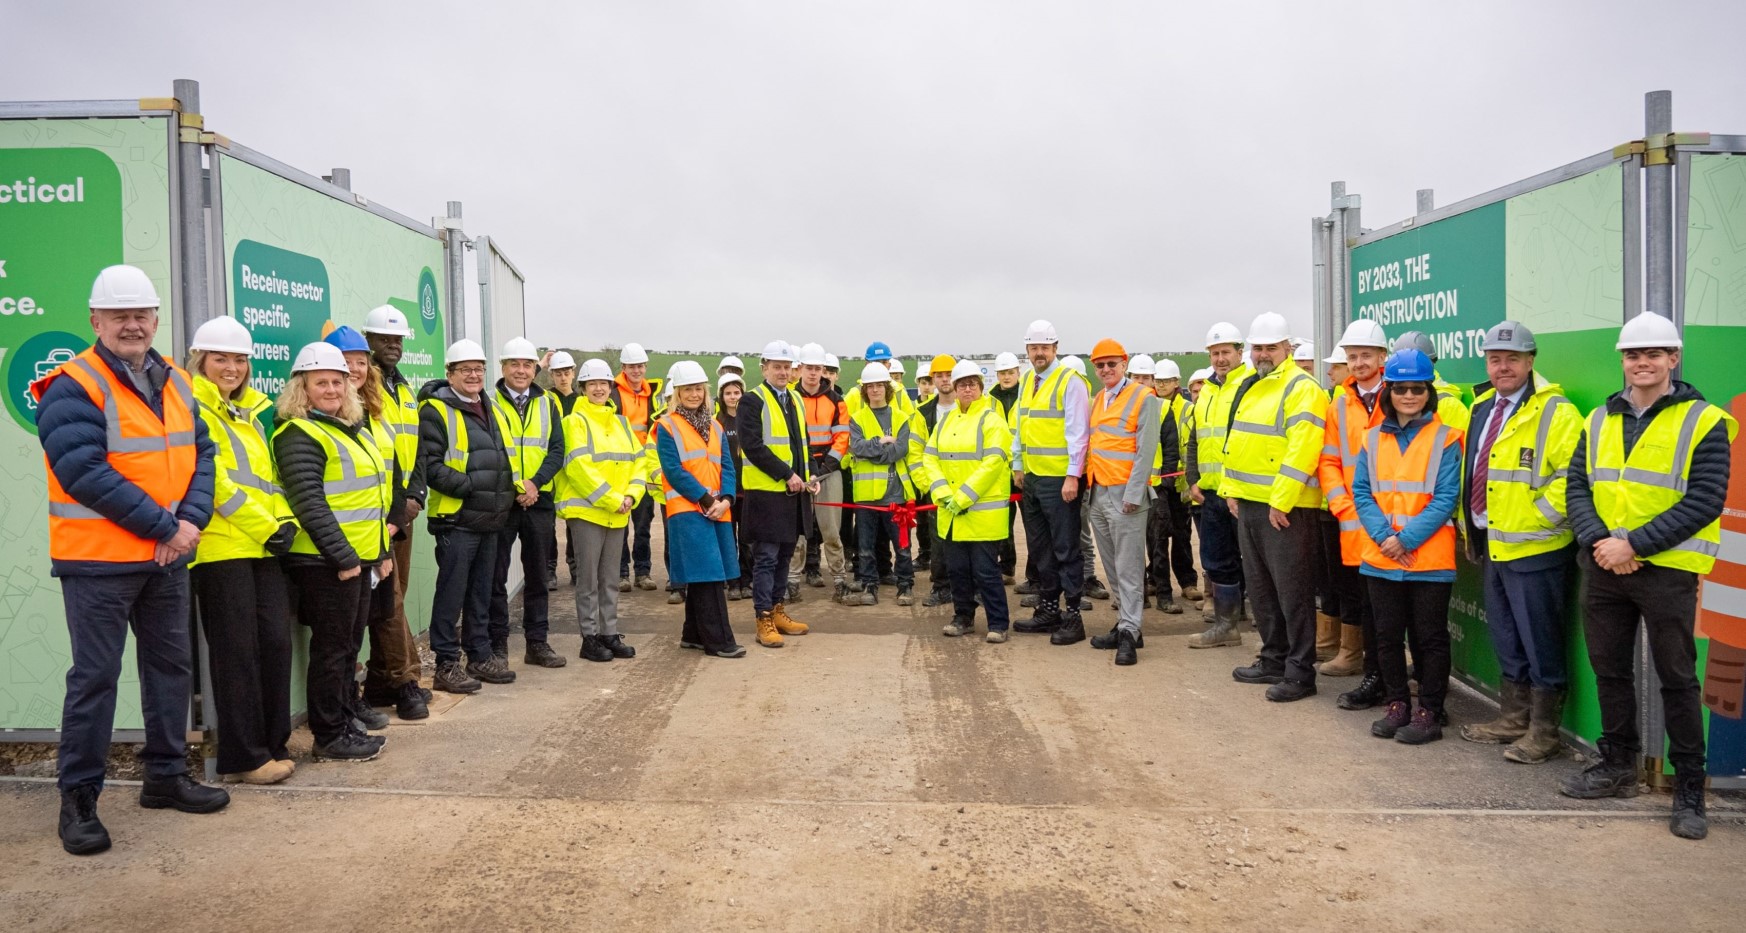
(904, 514)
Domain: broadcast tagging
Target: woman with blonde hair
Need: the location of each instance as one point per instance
(245, 610)
(699, 482)
(341, 492)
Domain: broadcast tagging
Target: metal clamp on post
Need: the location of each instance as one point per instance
(160, 103)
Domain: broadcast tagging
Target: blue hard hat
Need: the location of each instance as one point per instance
(1408, 365)
(348, 340)
(878, 352)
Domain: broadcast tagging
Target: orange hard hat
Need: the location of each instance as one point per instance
(1107, 348)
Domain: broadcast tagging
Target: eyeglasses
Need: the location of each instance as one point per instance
(1106, 364)
(469, 370)
(1410, 388)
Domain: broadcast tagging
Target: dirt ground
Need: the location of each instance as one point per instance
(876, 775)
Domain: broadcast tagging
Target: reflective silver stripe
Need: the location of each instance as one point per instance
(1255, 478)
(1675, 479)
(243, 474)
(965, 490)
(352, 484)
(117, 442)
(1546, 509)
(598, 494)
(1339, 490)
(579, 453)
(1545, 428)
(1129, 455)
(1521, 537)
(232, 505)
(959, 455)
(570, 504)
(1214, 430)
(456, 459)
(1511, 476)
(1046, 451)
(1394, 485)
(840, 429)
(1605, 475)
(1291, 472)
(1330, 450)
(623, 456)
(1698, 546)
(987, 506)
(73, 510)
(938, 484)
(1303, 416)
(1351, 524)
(344, 516)
(1256, 427)
(1115, 431)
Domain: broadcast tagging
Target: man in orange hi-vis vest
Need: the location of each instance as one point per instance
(130, 474)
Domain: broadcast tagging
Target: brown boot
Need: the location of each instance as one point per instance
(1512, 717)
(1349, 661)
(1545, 715)
(767, 634)
(1327, 636)
(784, 623)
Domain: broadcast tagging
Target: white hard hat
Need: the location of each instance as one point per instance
(1141, 365)
(1005, 361)
(1201, 375)
(831, 361)
(520, 348)
(686, 373)
(464, 351)
(320, 355)
(727, 378)
(1074, 363)
(896, 366)
(1338, 356)
(778, 351)
(811, 355)
(1167, 369)
(1648, 331)
(563, 360)
(964, 369)
(123, 288)
(1304, 352)
(1510, 335)
(633, 353)
(223, 335)
(386, 319)
(1223, 332)
(727, 361)
(1363, 332)
(595, 370)
(1269, 327)
(875, 373)
(1040, 332)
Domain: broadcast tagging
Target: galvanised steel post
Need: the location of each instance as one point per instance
(191, 215)
(455, 242)
(1658, 203)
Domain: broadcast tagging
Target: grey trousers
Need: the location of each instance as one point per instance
(830, 527)
(1121, 543)
(597, 550)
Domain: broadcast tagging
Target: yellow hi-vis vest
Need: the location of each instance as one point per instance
(455, 456)
(357, 484)
(966, 461)
(603, 463)
(1275, 442)
(1524, 490)
(776, 438)
(1042, 422)
(248, 507)
(1212, 418)
(1631, 490)
(400, 416)
(526, 438)
(1177, 409)
(868, 480)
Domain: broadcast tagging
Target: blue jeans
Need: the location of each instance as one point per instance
(461, 610)
(974, 567)
(873, 530)
(1524, 609)
(1220, 554)
(99, 611)
(770, 573)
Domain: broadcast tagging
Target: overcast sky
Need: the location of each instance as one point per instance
(933, 174)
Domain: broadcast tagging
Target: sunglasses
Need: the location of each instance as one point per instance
(1106, 364)
(1410, 389)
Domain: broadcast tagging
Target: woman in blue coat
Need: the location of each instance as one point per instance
(699, 484)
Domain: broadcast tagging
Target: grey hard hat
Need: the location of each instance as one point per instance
(1416, 340)
(1509, 335)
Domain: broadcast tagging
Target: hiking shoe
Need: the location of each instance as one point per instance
(624, 584)
(793, 593)
(491, 671)
(996, 636)
(1424, 728)
(411, 703)
(675, 597)
(937, 597)
(767, 634)
(786, 624)
(1368, 693)
(692, 645)
(451, 677)
(815, 579)
(725, 651)
(82, 833)
(645, 582)
(501, 653)
(183, 793)
(958, 626)
(1192, 594)
(615, 644)
(1168, 605)
(368, 718)
(905, 597)
(350, 747)
(1395, 719)
(736, 592)
(540, 654)
(868, 597)
(1614, 775)
(1095, 589)
(595, 649)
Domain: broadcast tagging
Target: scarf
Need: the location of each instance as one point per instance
(699, 419)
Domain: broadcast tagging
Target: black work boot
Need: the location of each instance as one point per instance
(1368, 693)
(82, 833)
(1614, 775)
(938, 597)
(1110, 639)
(1071, 631)
(594, 649)
(615, 644)
(183, 793)
(1125, 645)
(1258, 673)
(1689, 821)
(1289, 691)
(369, 718)
(1046, 619)
(540, 654)
(411, 704)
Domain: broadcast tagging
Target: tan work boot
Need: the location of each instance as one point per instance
(1349, 661)
(1222, 632)
(767, 634)
(1327, 636)
(1512, 717)
(1545, 715)
(786, 624)
(272, 772)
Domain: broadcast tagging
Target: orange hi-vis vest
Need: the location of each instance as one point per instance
(1343, 437)
(1115, 432)
(1403, 483)
(156, 455)
(701, 458)
(635, 406)
(827, 424)
(1722, 599)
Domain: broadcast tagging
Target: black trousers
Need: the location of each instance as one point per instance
(1052, 533)
(245, 611)
(706, 615)
(462, 605)
(552, 555)
(534, 528)
(1422, 608)
(1327, 561)
(1008, 550)
(1279, 567)
(1665, 600)
(336, 612)
(974, 568)
(636, 541)
(1167, 541)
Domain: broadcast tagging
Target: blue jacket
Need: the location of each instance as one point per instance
(700, 551)
(75, 438)
(1436, 513)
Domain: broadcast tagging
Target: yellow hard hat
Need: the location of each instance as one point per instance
(942, 364)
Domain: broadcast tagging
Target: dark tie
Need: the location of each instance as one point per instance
(1482, 458)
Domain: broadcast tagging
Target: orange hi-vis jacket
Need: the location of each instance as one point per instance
(156, 455)
(1404, 482)
(1115, 431)
(701, 458)
(635, 406)
(1343, 437)
(827, 423)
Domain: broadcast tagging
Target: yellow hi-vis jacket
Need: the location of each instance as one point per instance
(868, 480)
(1178, 409)
(400, 418)
(776, 437)
(1631, 490)
(359, 487)
(248, 507)
(1524, 490)
(1212, 417)
(967, 467)
(455, 457)
(1275, 441)
(1450, 405)
(1042, 422)
(603, 463)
